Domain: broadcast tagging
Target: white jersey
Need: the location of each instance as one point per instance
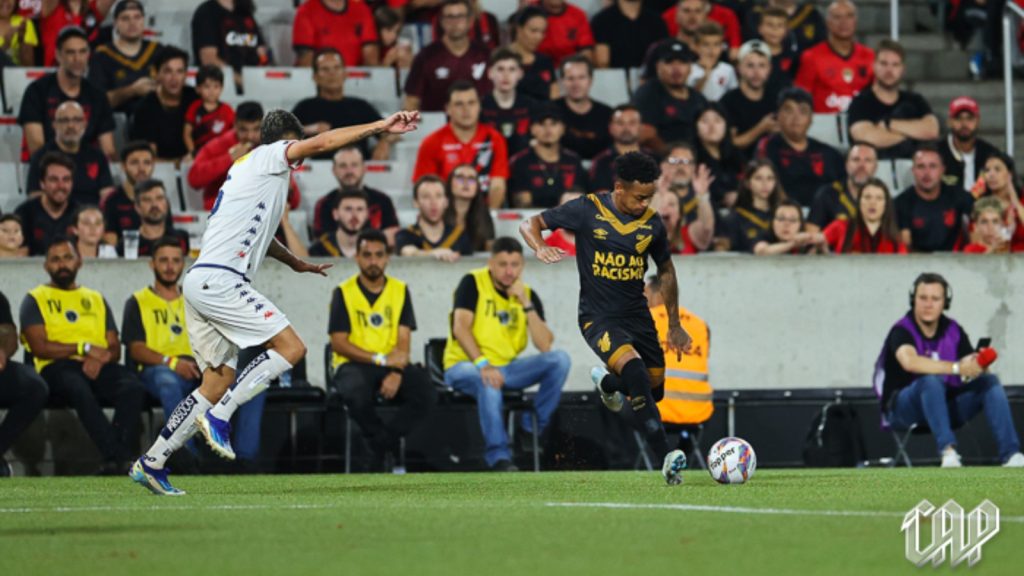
(248, 210)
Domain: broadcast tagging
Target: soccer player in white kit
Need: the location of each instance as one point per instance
(223, 312)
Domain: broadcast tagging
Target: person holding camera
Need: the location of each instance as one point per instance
(928, 374)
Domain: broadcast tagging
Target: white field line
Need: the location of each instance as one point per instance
(64, 509)
(745, 510)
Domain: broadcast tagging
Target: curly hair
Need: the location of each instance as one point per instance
(637, 167)
(279, 124)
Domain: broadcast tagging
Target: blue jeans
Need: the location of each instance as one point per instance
(550, 369)
(246, 428)
(925, 402)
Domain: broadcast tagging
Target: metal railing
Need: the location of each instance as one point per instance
(1011, 15)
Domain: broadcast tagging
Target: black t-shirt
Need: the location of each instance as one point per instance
(92, 173)
(895, 376)
(935, 225)
(110, 69)
(831, 202)
(453, 237)
(39, 228)
(513, 123)
(42, 97)
(785, 64)
(673, 119)
(132, 329)
(5, 311)
(326, 245)
(866, 107)
(726, 171)
(745, 113)
(954, 161)
(586, 134)
(162, 126)
(339, 320)
(381, 211)
(545, 182)
(611, 253)
(467, 295)
(627, 39)
(236, 38)
(802, 173)
(348, 111)
(537, 78)
(744, 228)
(146, 245)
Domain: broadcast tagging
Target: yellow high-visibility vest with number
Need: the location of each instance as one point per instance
(688, 393)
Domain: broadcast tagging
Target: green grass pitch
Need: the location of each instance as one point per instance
(782, 522)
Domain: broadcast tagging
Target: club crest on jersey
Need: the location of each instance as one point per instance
(605, 343)
(847, 75)
(643, 241)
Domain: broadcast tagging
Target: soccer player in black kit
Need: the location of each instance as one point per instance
(615, 233)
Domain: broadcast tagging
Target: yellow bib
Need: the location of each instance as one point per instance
(687, 390)
(70, 317)
(372, 328)
(499, 326)
(164, 323)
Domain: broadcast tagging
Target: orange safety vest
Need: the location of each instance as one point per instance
(687, 391)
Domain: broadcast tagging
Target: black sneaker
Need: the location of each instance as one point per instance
(504, 466)
(5, 469)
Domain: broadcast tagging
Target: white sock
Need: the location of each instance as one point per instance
(180, 426)
(252, 380)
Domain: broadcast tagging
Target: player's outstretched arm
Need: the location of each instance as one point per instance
(279, 252)
(678, 339)
(397, 123)
(530, 230)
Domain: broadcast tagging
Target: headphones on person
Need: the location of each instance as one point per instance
(932, 278)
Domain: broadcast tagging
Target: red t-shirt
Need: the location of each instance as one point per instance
(568, 33)
(557, 239)
(441, 152)
(61, 17)
(316, 26)
(208, 125)
(973, 248)
(720, 14)
(833, 80)
(835, 235)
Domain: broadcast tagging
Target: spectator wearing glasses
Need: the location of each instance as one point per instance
(787, 234)
(92, 179)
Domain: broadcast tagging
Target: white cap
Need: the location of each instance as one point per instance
(755, 47)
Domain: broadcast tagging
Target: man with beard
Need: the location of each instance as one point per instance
(160, 116)
(45, 217)
(92, 179)
(154, 330)
(349, 214)
(152, 207)
(137, 160)
(349, 170)
(371, 326)
(692, 185)
(431, 235)
(71, 334)
(668, 108)
(892, 120)
(624, 129)
(586, 119)
(838, 200)
(542, 172)
(751, 106)
(123, 68)
(963, 153)
(933, 217)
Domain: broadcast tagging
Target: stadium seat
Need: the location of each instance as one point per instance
(190, 198)
(376, 85)
(10, 196)
(404, 152)
(407, 216)
(828, 129)
(885, 173)
(10, 139)
(168, 173)
(390, 177)
(610, 86)
(16, 80)
(430, 122)
(903, 172)
(314, 179)
(513, 400)
(279, 87)
(506, 222)
(230, 93)
(300, 222)
(633, 78)
(195, 224)
(501, 9)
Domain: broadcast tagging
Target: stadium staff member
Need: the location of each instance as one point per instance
(154, 329)
(371, 325)
(71, 334)
(928, 374)
(495, 315)
(23, 393)
(687, 398)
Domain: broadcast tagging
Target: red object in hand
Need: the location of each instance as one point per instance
(987, 356)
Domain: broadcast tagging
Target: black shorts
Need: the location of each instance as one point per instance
(610, 338)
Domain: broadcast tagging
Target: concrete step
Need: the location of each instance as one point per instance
(874, 18)
(943, 66)
(983, 91)
(993, 114)
(916, 41)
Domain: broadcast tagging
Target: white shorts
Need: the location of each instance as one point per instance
(224, 314)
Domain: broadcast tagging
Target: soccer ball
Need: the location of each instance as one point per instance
(731, 461)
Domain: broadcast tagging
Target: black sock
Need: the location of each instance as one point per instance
(611, 384)
(648, 419)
